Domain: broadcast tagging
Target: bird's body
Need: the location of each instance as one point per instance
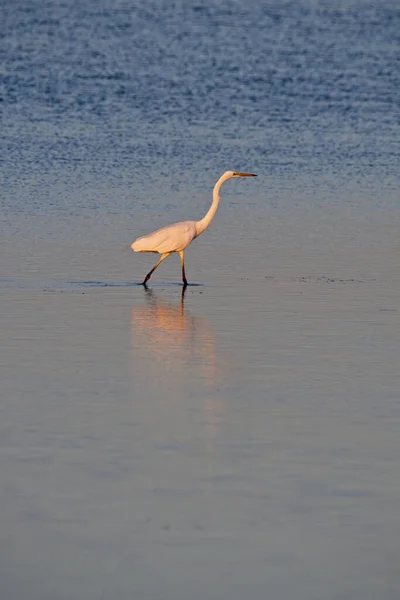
(171, 238)
(176, 237)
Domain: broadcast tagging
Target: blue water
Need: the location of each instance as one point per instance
(120, 93)
(241, 441)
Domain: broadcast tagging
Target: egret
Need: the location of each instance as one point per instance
(176, 237)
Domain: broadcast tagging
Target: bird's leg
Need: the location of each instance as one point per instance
(149, 274)
(183, 268)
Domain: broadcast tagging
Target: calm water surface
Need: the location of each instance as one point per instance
(240, 439)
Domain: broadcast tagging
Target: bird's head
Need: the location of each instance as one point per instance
(230, 174)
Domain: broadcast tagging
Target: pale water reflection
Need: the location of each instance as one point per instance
(179, 351)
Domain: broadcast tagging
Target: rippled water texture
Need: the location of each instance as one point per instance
(240, 438)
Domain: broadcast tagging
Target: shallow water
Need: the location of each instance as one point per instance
(240, 437)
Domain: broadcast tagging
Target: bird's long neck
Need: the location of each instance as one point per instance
(205, 221)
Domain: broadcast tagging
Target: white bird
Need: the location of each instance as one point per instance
(176, 237)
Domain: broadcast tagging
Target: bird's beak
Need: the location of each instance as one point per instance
(244, 174)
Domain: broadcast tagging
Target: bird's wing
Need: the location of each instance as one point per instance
(167, 239)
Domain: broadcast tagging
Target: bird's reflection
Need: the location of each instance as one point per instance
(173, 337)
(174, 352)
